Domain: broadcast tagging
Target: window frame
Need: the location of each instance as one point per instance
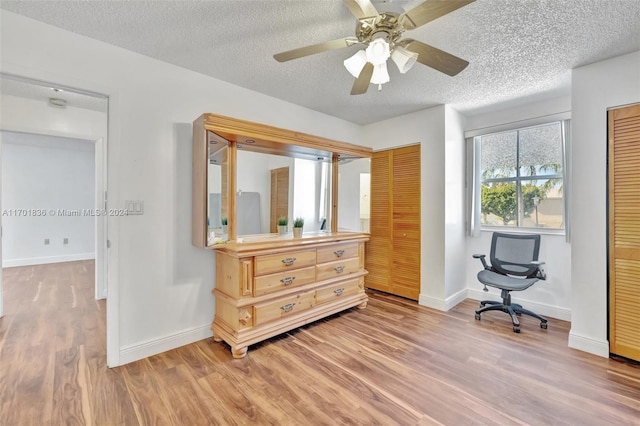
(477, 180)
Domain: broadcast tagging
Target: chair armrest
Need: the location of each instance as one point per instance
(540, 272)
(484, 262)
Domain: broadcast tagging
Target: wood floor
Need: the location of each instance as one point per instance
(391, 363)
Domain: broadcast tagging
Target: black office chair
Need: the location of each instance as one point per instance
(514, 267)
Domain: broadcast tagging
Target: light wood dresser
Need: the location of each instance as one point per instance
(269, 285)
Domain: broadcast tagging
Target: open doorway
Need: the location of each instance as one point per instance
(52, 200)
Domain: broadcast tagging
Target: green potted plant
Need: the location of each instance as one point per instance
(298, 223)
(283, 221)
(224, 222)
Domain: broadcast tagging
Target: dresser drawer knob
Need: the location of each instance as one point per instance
(339, 269)
(288, 307)
(339, 253)
(338, 291)
(287, 280)
(288, 261)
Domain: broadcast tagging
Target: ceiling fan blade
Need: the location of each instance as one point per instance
(361, 8)
(316, 48)
(436, 58)
(430, 10)
(361, 84)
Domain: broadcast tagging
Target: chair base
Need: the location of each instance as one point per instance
(513, 309)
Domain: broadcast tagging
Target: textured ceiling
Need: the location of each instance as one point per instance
(516, 48)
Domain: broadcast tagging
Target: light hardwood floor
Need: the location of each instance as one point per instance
(391, 363)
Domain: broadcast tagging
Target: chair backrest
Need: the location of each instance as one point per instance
(512, 254)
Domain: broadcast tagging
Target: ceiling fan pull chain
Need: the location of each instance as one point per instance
(379, 87)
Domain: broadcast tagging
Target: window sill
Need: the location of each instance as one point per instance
(511, 230)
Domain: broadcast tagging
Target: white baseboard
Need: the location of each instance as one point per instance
(9, 263)
(537, 307)
(455, 298)
(432, 302)
(153, 347)
(440, 304)
(587, 344)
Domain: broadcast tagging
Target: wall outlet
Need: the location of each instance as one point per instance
(65, 241)
(46, 241)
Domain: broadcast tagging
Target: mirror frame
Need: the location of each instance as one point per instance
(261, 138)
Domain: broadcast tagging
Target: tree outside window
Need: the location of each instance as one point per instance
(522, 177)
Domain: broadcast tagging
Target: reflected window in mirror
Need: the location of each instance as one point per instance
(312, 196)
(217, 191)
(354, 186)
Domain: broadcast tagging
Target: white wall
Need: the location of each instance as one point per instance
(553, 296)
(520, 115)
(455, 254)
(426, 127)
(595, 88)
(160, 284)
(53, 176)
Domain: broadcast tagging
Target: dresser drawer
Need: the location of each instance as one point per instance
(337, 269)
(286, 306)
(266, 284)
(336, 252)
(337, 291)
(268, 264)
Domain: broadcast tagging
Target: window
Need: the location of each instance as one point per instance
(521, 177)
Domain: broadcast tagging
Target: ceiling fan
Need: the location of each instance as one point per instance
(382, 34)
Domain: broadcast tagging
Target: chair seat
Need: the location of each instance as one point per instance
(493, 279)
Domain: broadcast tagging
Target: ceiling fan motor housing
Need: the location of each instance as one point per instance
(385, 25)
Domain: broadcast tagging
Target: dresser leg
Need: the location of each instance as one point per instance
(239, 352)
(362, 305)
(217, 338)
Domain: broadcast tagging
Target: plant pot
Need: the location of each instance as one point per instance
(297, 232)
(224, 229)
(282, 229)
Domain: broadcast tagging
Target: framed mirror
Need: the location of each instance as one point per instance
(246, 176)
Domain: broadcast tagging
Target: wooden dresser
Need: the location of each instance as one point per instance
(269, 285)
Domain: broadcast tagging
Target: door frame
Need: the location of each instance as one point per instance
(106, 227)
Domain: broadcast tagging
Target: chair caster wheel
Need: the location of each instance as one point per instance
(516, 329)
(543, 325)
(518, 314)
(478, 317)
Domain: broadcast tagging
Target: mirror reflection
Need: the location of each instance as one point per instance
(354, 186)
(216, 184)
(270, 187)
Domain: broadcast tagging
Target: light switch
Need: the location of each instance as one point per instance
(134, 207)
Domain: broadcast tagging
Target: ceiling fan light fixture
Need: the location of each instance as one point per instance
(380, 74)
(403, 58)
(355, 63)
(378, 51)
(381, 33)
